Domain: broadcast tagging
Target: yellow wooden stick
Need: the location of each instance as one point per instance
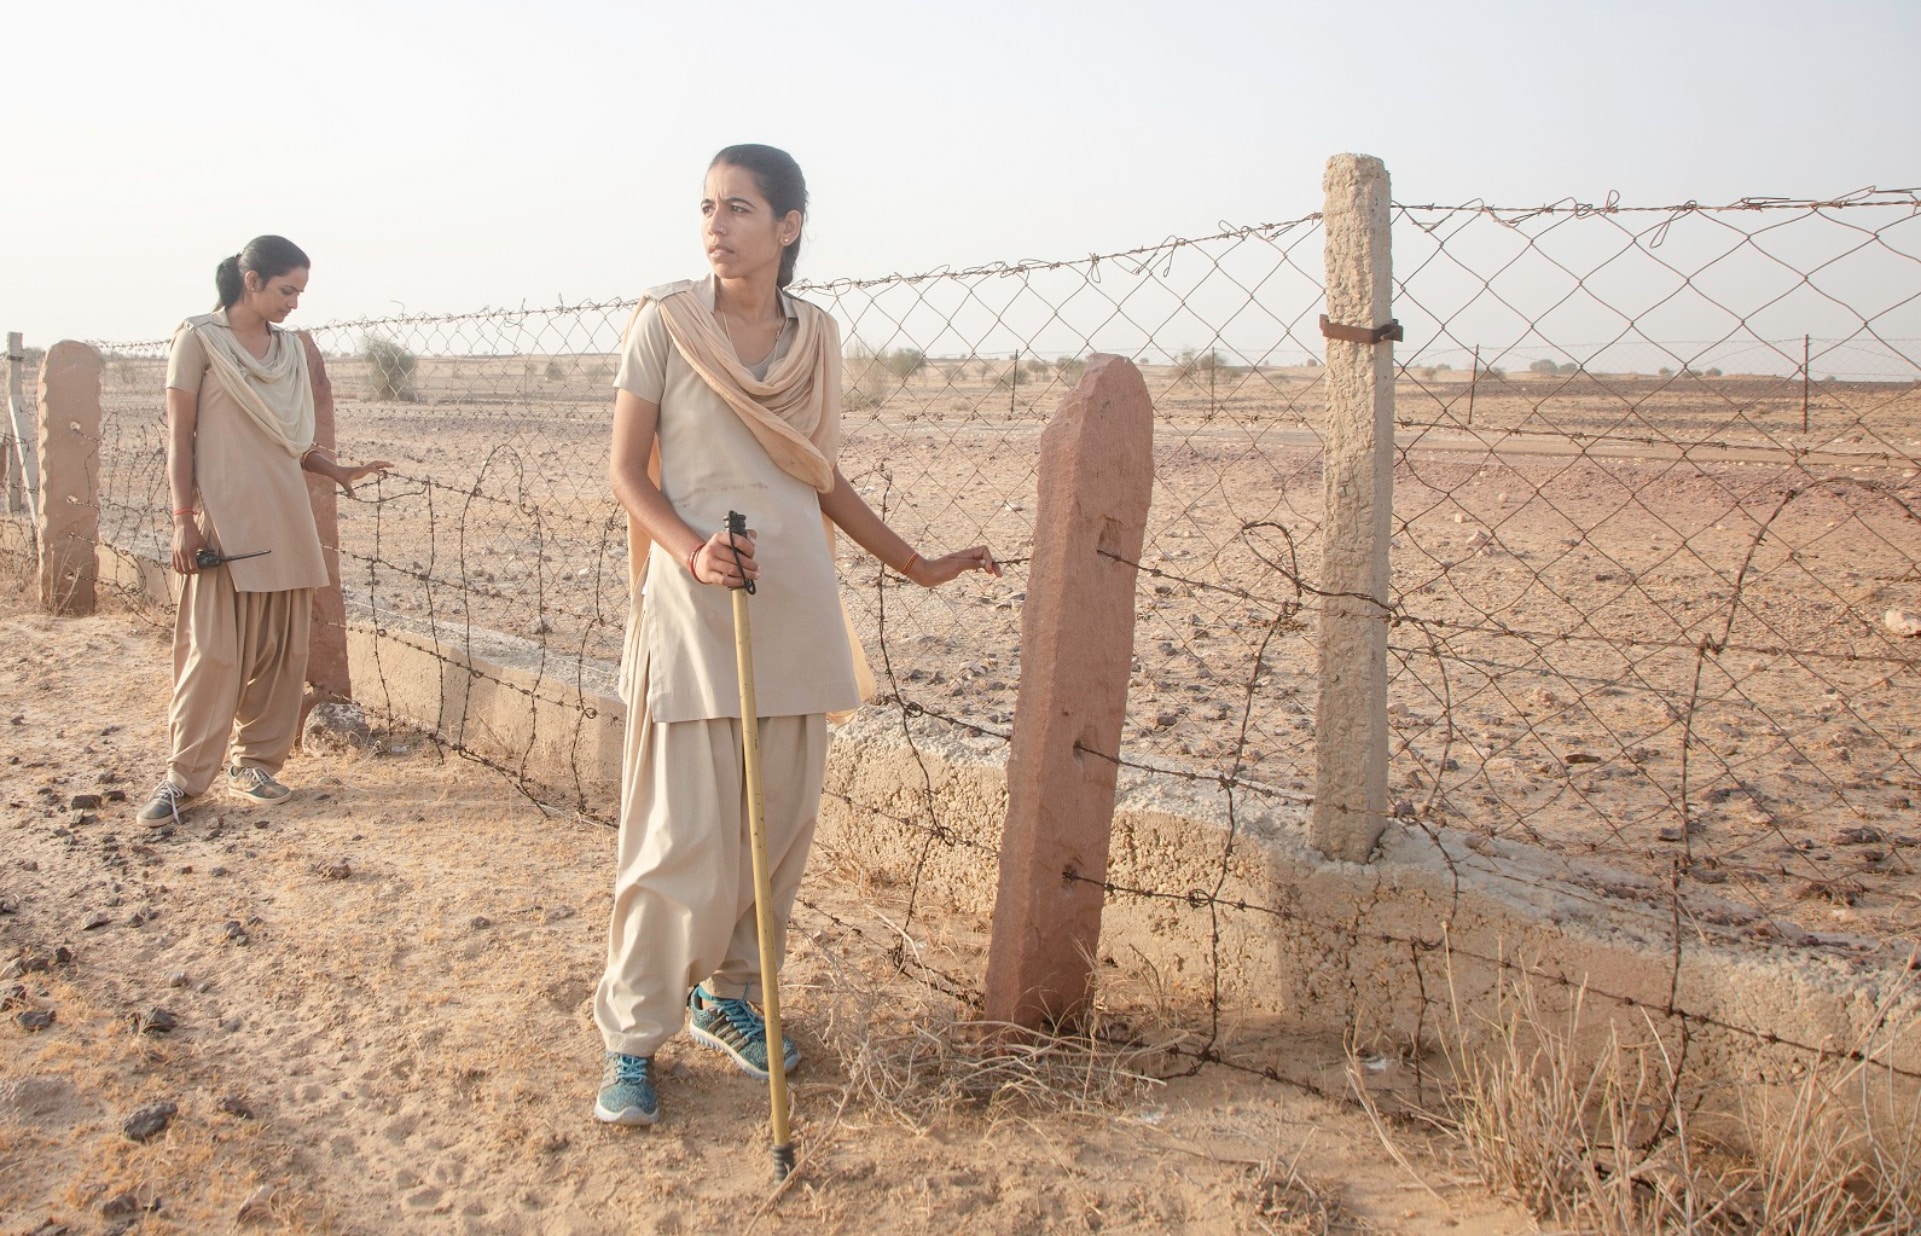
(763, 878)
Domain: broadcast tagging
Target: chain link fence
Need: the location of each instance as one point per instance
(1656, 545)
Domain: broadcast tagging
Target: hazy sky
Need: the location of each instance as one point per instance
(447, 157)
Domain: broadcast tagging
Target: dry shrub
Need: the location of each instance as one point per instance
(1290, 1204)
(911, 1055)
(1597, 1128)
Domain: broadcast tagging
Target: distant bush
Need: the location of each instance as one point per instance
(392, 368)
(1070, 368)
(904, 363)
(556, 372)
(1570, 367)
(1666, 372)
(865, 380)
(1544, 366)
(1714, 373)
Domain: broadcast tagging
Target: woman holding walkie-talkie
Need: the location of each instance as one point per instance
(728, 399)
(241, 393)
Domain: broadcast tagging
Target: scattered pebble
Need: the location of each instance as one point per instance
(230, 1024)
(34, 1019)
(150, 1121)
(1902, 622)
(480, 922)
(179, 979)
(335, 727)
(155, 1020)
(236, 1106)
(339, 869)
(85, 802)
(99, 918)
(129, 1202)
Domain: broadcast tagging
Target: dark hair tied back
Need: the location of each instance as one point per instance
(780, 182)
(266, 256)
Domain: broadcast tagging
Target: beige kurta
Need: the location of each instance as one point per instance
(710, 464)
(252, 493)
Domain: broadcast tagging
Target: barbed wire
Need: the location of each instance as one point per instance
(1635, 615)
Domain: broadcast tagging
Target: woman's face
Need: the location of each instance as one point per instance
(275, 298)
(741, 232)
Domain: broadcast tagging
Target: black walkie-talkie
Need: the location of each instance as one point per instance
(206, 557)
(737, 526)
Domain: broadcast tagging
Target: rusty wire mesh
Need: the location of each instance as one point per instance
(1641, 585)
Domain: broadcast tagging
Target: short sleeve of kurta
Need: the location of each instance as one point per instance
(643, 356)
(186, 362)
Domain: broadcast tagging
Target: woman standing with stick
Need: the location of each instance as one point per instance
(240, 433)
(728, 399)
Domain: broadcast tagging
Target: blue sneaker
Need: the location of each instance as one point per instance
(627, 1091)
(737, 1028)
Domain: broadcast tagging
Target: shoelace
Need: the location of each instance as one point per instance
(630, 1068)
(741, 1016)
(173, 794)
(253, 778)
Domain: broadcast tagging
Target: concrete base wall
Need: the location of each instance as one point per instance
(1320, 948)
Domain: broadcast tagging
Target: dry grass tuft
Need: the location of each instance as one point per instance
(912, 1055)
(1595, 1128)
(1289, 1204)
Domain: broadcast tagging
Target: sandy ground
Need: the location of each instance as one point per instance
(381, 995)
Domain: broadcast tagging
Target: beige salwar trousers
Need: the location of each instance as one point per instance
(684, 881)
(239, 672)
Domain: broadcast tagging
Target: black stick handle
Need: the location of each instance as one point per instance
(737, 526)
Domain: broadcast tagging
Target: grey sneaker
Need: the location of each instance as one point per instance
(627, 1091)
(164, 806)
(737, 1028)
(256, 785)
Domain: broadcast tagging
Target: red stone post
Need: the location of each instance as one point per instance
(327, 677)
(1077, 646)
(69, 497)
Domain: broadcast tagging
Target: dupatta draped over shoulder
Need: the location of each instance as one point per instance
(276, 393)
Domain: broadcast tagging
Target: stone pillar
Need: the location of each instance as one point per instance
(69, 522)
(21, 465)
(1350, 736)
(327, 677)
(1077, 647)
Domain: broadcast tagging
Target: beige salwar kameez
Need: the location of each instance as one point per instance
(240, 637)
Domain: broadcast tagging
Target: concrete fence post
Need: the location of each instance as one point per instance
(327, 676)
(1077, 648)
(1350, 736)
(22, 465)
(69, 497)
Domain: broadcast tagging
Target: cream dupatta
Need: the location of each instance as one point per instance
(794, 413)
(275, 393)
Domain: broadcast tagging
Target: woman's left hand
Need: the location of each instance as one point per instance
(346, 474)
(933, 572)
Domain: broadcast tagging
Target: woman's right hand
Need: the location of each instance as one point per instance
(187, 542)
(714, 562)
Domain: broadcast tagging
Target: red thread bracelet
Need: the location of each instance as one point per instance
(907, 566)
(691, 555)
